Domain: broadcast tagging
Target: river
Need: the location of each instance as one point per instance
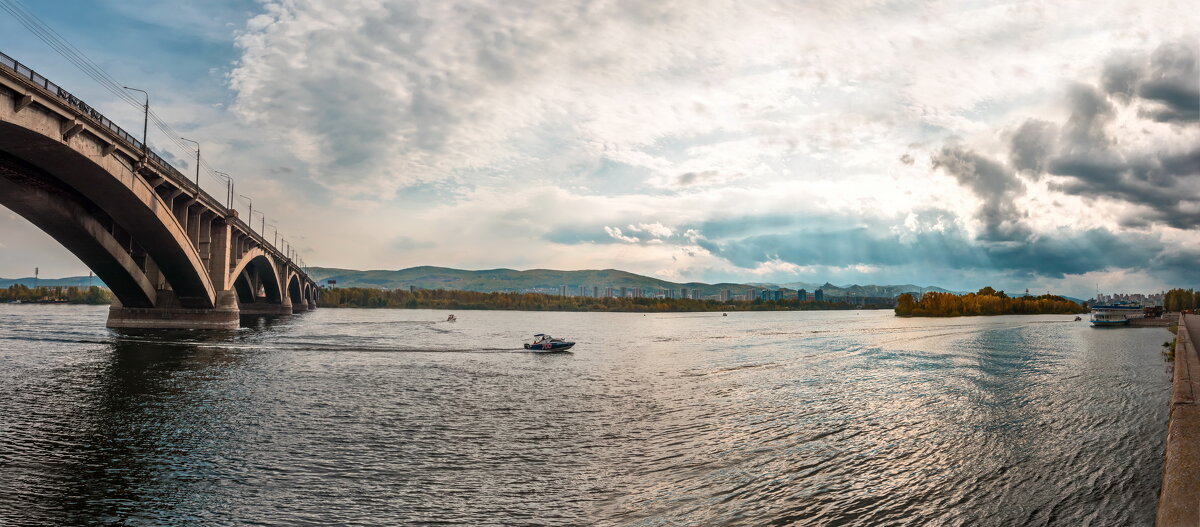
(396, 417)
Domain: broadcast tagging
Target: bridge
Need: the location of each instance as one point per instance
(173, 256)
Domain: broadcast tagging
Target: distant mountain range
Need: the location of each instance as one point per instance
(549, 281)
(79, 281)
(533, 281)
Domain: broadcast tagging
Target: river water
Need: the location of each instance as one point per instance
(396, 417)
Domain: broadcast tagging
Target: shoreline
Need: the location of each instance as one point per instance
(1179, 495)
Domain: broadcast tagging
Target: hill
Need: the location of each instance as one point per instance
(78, 281)
(549, 281)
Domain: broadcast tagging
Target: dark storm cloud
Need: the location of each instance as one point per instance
(1164, 181)
(1173, 82)
(1121, 74)
(1091, 112)
(1031, 145)
(1053, 255)
(991, 182)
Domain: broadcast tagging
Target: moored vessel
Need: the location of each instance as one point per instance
(1118, 314)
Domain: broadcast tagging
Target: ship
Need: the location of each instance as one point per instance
(1117, 314)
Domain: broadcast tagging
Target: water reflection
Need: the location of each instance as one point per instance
(396, 417)
(141, 431)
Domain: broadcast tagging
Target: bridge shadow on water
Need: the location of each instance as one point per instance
(145, 435)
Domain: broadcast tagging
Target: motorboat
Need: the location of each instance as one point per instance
(543, 343)
(451, 318)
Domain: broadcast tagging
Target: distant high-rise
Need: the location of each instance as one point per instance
(726, 295)
(595, 291)
(583, 291)
(562, 290)
(624, 292)
(801, 295)
(819, 296)
(696, 293)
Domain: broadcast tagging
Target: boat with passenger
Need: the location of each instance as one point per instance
(543, 343)
(1117, 314)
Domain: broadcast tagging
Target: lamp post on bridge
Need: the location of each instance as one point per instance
(145, 123)
(197, 165)
(251, 219)
(250, 214)
(228, 188)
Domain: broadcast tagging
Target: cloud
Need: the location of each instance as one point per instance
(993, 183)
(1161, 176)
(1173, 82)
(1031, 145)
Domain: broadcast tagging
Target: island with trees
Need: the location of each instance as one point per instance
(19, 293)
(986, 301)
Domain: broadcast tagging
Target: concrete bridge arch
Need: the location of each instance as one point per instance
(172, 254)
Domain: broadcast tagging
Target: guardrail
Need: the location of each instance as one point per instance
(27, 73)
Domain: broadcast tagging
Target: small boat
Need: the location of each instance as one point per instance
(1077, 319)
(543, 343)
(451, 318)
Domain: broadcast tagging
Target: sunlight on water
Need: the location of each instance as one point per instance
(398, 417)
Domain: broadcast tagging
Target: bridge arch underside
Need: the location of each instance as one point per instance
(257, 286)
(49, 179)
(295, 291)
(82, 228)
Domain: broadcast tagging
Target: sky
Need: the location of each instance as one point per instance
(1049, 146)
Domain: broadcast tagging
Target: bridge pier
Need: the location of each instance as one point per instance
(224, 316)
(265, 309)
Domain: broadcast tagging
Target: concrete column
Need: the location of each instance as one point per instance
(179, 209)
(205, 245)
(219, 255)
(193, 224)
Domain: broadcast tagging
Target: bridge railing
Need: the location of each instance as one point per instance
(24, 71)
(161, 164)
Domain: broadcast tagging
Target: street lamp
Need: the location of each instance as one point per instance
(197, 165)
(264, 221)
(228, 188)
(145, 122)
(250, 214)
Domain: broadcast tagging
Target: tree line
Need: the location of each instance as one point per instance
(70, 294)
(986, 301)
(455, 299)
(1181, 299)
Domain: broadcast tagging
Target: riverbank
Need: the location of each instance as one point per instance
(1180, 495)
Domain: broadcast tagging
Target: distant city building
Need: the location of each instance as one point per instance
(624, 292)
(749, 295)
(819, 296)
(562, 290)
(802, 295)
(696, 294)
(583, 291)
(725, 295)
